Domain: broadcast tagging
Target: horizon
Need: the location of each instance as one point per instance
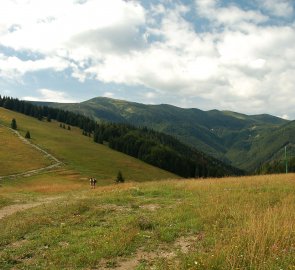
(206, 54)
(158, 104)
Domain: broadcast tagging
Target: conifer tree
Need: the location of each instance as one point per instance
(120, 178)
(13, 124)
(28, 135)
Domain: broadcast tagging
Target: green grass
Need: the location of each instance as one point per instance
(80, 153)
(235, 223)
(16, 156)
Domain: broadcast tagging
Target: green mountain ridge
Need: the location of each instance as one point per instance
(244, 141)
(155, 148)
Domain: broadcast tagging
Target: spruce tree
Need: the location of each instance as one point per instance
(28, 135)
(13, 124)
(120, 178)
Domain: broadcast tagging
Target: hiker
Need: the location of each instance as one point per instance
(94, 182)
(91, 182)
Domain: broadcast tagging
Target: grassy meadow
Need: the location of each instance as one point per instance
(80, 153)
(16, 156)
(233, 223)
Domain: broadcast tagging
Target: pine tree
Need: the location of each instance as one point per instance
(13, 124)
(28, 135)
(120, 178)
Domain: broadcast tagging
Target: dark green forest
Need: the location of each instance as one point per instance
(155, 148)
(277, 166)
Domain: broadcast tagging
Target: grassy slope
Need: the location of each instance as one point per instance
(234, 223)
(80, 153)
(16, 156)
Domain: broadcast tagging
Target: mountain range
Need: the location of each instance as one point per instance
(243, 141)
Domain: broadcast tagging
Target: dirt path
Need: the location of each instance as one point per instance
(183, 245)
(57, 162)
(11, 209)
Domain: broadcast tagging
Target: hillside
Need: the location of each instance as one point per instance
(150, 146)
(16, 156)
(76, 151)
(232, 137)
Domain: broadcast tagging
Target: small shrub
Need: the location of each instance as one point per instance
(145, 224)
(120, 178)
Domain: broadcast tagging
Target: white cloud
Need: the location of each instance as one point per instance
(12, 67)
(230, 16)
(46, 26)
(108, 94)
(281, 8)
(150, 95)
(70, 30)
(50, 96)
(285, 116)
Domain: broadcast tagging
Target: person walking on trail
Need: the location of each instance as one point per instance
(94, 182)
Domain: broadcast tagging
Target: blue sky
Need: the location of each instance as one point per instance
(207, 54)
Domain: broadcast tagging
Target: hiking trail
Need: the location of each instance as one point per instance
(35, 171)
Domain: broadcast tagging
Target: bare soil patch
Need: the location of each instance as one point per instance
(183, 244)
(11, 209)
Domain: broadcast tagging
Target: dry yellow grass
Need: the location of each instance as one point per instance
(235, 223)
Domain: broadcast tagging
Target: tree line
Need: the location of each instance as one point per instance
(155, 148)
(277, 166)
(47, 113)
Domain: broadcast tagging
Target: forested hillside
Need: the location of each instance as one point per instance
(245, 141)
(155, 148)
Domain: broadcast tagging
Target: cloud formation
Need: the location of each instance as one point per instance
(232, 56)
(50, 95)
